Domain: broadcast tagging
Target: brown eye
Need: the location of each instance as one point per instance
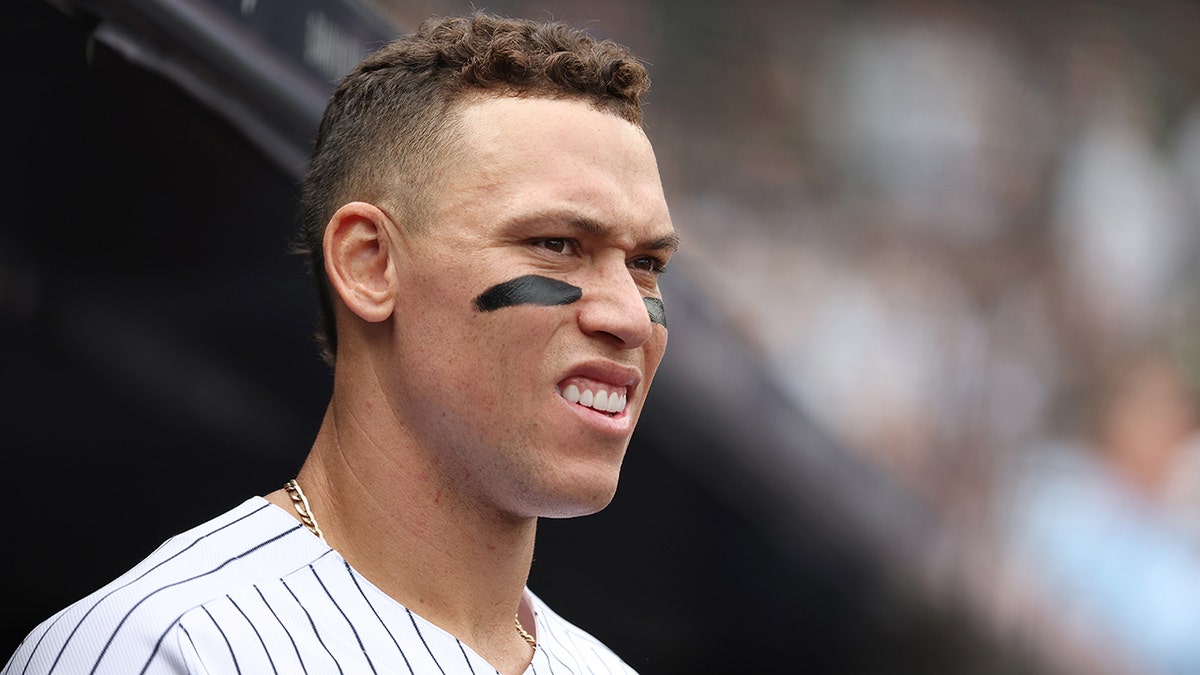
(648, 263)
(554, 245)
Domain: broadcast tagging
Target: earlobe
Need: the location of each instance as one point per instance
(358, 260)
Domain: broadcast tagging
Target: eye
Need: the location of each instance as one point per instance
(555, 245)
(648, 263)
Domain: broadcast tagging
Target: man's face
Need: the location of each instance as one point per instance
(530, 292)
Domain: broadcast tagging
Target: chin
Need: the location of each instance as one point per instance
(563, 485)
(574, 511)
(578, 502)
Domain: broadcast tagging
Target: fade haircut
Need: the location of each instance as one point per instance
(388, 127)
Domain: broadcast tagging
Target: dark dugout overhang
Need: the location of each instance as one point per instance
(160, 367)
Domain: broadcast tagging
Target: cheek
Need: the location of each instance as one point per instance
(521, 337)
(436, 330)
(655, 348)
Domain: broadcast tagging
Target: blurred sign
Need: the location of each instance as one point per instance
(327, 37)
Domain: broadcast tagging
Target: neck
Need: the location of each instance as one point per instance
(389, 511)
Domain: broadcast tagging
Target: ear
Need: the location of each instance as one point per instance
(358, 260)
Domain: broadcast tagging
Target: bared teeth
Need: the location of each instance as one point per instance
(601, 400)
(616, 402)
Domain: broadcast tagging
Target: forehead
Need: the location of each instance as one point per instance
(515, 157)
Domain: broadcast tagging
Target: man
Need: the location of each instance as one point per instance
(486, 222)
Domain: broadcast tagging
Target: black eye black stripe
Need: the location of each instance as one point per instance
(528, 290)
(532, 289)
(658, 311)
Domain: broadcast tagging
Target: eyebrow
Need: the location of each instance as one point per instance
(667, 242)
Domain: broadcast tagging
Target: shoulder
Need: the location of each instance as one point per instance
(134, 621)
(562, 643)
(323, 618)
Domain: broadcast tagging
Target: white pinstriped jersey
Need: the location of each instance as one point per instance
(252, 591)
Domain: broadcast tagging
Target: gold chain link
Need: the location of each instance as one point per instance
(301, 503)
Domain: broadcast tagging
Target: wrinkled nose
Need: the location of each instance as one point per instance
(613, 308)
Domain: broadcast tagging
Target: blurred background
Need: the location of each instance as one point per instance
(930, 404)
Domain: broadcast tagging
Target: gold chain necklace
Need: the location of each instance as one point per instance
(521, 631)
(300, 502)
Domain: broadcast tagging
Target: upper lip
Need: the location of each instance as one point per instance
(607, 372)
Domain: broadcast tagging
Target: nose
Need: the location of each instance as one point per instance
(612, 307)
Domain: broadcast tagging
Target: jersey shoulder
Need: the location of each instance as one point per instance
(130, 624)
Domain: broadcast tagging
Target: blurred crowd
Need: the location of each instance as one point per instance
(972, 255)
(965, 236)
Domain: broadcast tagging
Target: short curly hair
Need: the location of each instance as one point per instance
(387, 125)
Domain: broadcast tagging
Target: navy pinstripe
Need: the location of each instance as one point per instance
(466, 659)
(423, 642)
(183, 610)
(314, 626)
(122, 587)
(224, 637)
(139, 603)
(256, 634)
(381, 623)
(284, 627)
(349, 623)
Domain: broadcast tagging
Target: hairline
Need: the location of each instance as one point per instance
(449, 142)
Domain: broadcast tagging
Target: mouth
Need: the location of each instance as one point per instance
(605, 399)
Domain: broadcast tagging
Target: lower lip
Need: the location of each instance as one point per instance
(619, 424)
